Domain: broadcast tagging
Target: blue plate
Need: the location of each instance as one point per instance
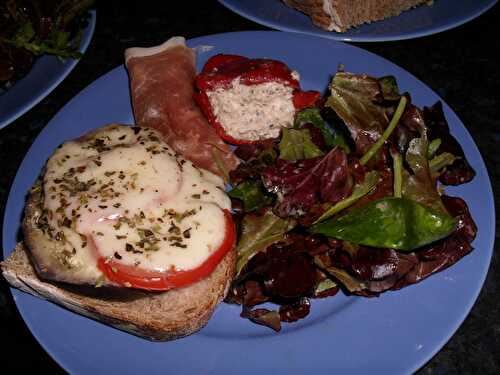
(394, 334)
(421, 21)
(44, 76)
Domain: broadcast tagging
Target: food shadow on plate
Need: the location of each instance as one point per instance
(226, 322)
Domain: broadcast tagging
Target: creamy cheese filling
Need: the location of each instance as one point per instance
(124, 194)
(253, 112)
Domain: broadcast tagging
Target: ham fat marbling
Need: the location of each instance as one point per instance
(162, 87)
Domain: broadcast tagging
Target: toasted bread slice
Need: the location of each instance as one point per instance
(340, 15)
(154, 316)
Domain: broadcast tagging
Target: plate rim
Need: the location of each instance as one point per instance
(85, 42)
(361, 39)
(490, 234)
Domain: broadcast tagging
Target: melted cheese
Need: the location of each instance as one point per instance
(253, 112)
(123, 194)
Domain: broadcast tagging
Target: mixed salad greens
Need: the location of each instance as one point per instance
(31, 28)
(347, 199)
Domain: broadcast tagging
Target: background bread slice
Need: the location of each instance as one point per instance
(340, 15)
(155, 316)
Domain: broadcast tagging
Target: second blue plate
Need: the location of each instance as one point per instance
(421, 21)
(47, 72)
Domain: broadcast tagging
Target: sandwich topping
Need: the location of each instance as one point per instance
(124, 201)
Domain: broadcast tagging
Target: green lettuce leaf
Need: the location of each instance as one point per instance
(313, 116)
(324, 286)
(390, 89)
(433, 147)
(395, 223)
(258, 232)
(420, 186)
(296, 144)
(252, 194)
(351, 283)
(438, 162)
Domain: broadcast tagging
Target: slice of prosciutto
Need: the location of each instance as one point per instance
(162, 88)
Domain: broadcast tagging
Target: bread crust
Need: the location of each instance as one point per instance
(341, 15)
(154, 316)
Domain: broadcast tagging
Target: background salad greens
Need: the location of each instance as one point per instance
(30, 28)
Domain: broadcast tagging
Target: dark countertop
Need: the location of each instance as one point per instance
(459, 64)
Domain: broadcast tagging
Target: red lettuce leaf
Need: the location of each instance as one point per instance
(248, 151)
(317, 137)
(295, 311)
(410, 126)
(265, 317)
(304, 183)
(460, 171)
(289, 275)
(367, 271)
(384, 188)
(254, 294)
(446, 252)
(285, 273)
(358, 100)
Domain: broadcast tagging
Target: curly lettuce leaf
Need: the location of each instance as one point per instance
(351, 283)
(366, 271)
(258, 232)
(356, 100)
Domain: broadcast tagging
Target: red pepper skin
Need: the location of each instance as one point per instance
(218, 61)
(305, 99)
(220, 71)
(223, 69)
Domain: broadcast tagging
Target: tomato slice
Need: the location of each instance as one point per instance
(135, 277)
